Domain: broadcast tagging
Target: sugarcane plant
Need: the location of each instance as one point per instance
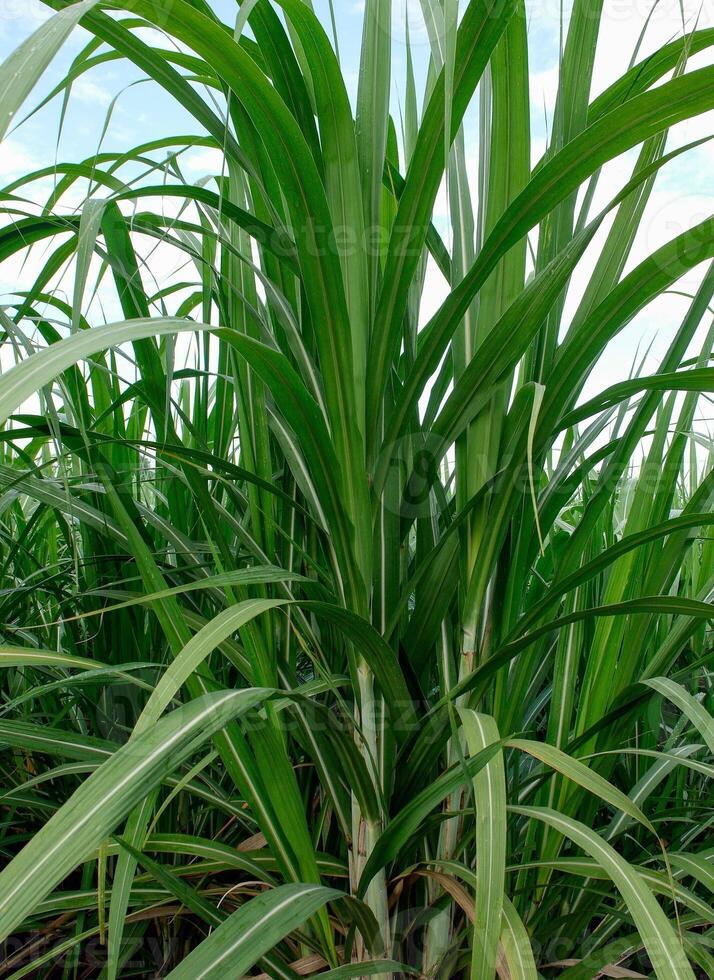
(337, 638)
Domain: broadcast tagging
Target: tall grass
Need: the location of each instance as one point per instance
(338, 639)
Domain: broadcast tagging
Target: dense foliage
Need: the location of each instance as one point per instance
(337, 638)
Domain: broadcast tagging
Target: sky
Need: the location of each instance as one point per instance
(114, 108)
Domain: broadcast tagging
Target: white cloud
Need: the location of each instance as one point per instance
(153, 37)
(25, 14)
(16, 159)
(544, 90)
(205, 161)
(86, 90)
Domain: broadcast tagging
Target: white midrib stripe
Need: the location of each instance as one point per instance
(515, 942)
(488, 773)
(53, 361)
(46, 655)
(658, 771)
(212, 635)
(689, 706)
(267, 818)
(609, 860)
(29, 737)
(49, 854)
(258, 925)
